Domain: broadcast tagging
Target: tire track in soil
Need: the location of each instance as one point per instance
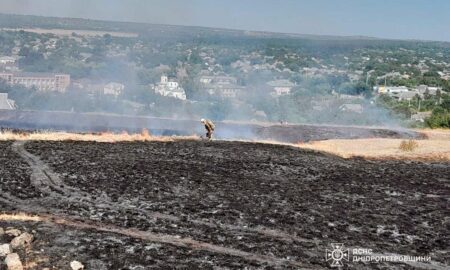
(181, 242)
(153, 237)
(45, 180)
(48, 182)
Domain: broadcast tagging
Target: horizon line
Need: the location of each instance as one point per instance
(299, 35)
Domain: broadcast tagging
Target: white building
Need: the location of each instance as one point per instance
(41, 81)
(5, 103)
(224, 90)
(222, 86)
(113, 88)
(392, 89)
(217, 79)
(281, 87)
(405, 95)
(422, 89)
(7, 60)
(170, 88)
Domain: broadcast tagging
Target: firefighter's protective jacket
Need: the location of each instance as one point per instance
(209, 125)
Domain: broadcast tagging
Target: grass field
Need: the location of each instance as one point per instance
(436, 147)
(91, 137)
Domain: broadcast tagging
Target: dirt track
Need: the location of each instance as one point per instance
(206, 205)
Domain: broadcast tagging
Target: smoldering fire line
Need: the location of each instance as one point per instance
(96, 123)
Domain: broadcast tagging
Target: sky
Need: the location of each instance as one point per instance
(397, 19)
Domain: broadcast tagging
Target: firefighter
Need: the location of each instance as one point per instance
(209, 126)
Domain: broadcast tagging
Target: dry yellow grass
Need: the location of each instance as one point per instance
(408, 145)
(435, 134)
(427, 150)
(144, 136)
(19, 217)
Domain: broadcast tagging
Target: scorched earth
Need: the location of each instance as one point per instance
(217, 205)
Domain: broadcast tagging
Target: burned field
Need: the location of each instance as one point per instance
(219, 205)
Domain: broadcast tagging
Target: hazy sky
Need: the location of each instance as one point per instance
(404, 19)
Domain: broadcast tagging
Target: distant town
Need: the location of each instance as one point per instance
(237, 76)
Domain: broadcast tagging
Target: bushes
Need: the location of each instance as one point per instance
(439, 119)
(408, 146)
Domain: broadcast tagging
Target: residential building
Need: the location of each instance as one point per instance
(222, 86)
(281, 87)
(392, 89)
(224, 90)
(5, 103)
(217, 80)
(346, 96)
(42, 81)
(170, 88)
(422, 89)
(113, 88)
(7, 60)
(405, 95)
(8, 63)
(420, 116)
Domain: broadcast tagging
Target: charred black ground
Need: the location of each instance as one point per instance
(282, 203)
